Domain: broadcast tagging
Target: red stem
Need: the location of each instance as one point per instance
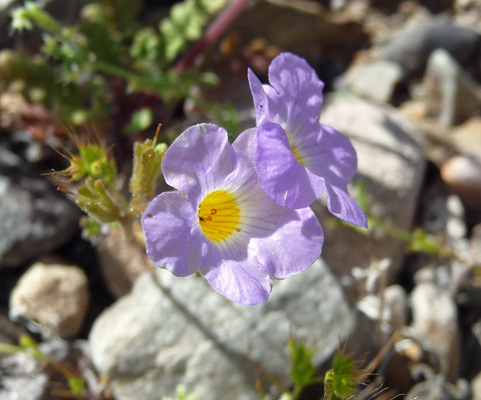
(215, 30)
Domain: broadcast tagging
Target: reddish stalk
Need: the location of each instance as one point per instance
(215, 30)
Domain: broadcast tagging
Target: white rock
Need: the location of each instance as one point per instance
(451, 94)
(54, 296)
(171, 331)
(435, 325)
(375, 80)
(391, 164)
(463, 176)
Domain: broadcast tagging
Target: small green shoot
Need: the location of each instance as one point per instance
(302, 370)
(181, 394)
(340, 380)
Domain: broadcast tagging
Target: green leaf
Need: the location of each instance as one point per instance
(185, 24)
(302, 369)
(141, 119)
(30, 346)
(421, 242)
(340, 381)
(77, 386)
(181, 394)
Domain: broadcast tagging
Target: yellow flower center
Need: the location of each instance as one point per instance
(219, 215)
(296, 152)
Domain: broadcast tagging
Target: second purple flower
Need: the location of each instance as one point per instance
(298, 158)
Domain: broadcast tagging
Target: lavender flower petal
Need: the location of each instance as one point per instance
(280, 174)
(197, 159)
(344, 207)
(246, 283)
(300, 157)
(298, 83)
(173, 237)
(225, 224)
(287, 252)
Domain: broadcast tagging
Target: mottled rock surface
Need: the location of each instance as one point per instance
(451, 95)
(170, 331)
(412, 48)
(53, 295)
(34, 217)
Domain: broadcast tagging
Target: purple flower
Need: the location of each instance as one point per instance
(298, 158)
(222, 223)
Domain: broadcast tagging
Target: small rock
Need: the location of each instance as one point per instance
(378, 317)
(395, 298)
(171, 331)
(442, 213)
(435, 325)
(463, 176)
(54, 296)
(466, 138)
(437, 387)
(414, 109)
(375, 81)
(34, 217)
(412, 48)
(21, 378)
(452, 96)
(476, 387)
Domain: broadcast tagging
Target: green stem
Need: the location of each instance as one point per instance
(10, 349)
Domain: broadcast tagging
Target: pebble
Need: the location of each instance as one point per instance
(463, 176)
(378, 317)
(375, 81)
(21, 378)
(451, 95)
(437, 387)
(435, 325)
(466, 138)
(54, 296)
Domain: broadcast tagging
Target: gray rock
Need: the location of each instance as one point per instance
(412, 48)
(21, 378)
(436, 387)
(54, 296)
(34, 217)
(171, 331)
(391, 164)
(435, 325)
(378, 317)
(375, 80)
(452, 96)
